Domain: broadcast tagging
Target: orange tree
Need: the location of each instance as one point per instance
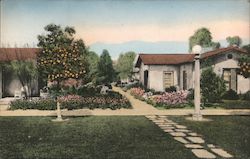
(244, 63)
(61, 56)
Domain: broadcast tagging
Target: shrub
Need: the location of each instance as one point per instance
(173, 98)
(212, 86)
(137, 92)
(112, 100)
(231, 95)
(170, 89)
(246, 96)
(43, 104)
(190, 95)
(96, 102)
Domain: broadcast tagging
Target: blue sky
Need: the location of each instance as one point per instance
(119, 21)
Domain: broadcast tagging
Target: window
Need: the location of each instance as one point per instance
(168, 79)
(229, 56)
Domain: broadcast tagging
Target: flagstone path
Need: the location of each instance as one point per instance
(190, 139)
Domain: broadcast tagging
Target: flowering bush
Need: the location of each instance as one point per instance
(69, 97)
(112, 101)
(137, 92)
(171, 99)
(96, 102)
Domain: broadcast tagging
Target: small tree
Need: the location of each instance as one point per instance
(212, 86)
(124, 65)
(93, 60)
(235, 40)
(202, 37)
(61, 57)
(105, 70)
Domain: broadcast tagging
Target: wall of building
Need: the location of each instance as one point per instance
(221, 62)
(155, 79)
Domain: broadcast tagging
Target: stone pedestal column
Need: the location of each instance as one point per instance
(197, 98)
(1, 82)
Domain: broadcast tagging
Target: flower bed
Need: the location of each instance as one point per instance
(171, 100)
(112, 101)
(103, 102)
(137, 93)
(165, 99)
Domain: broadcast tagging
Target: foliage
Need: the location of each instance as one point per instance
(231, 95)
(235, 40)
(246, 96)
(137, 92)
(43, 104)
(93, 60)
(203, 38)
(234, 104)
(190, 95)
(170, 89)
(124, 65)
(166, 100)
(61, 57)
(244, 63)
(134, 85)
(208, 62)
(246, 47)
(25, 70)
(212, 86)
(105, 70)
(112, 100)
(173, 98)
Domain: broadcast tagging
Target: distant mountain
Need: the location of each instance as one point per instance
(140, 47)
(144, 47)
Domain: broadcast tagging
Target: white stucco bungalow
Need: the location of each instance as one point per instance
(159, 71)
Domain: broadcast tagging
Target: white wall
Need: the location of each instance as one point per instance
(155, 79)
(243, 84)
(221, 62)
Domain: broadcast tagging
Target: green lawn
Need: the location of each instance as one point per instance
(232, 133)
(87, 137)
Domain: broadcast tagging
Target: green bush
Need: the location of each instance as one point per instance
(246, 96)
(230, 95)
(43, 104)
(170, 89)
(235, 104)
(212, 86)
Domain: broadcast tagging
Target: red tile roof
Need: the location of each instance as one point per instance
(223, 50)
(175, 59)
(8, 54)
(165, 59)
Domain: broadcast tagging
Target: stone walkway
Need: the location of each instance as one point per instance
(191, 140)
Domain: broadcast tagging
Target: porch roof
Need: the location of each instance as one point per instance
(9, 54)
(164, 59)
